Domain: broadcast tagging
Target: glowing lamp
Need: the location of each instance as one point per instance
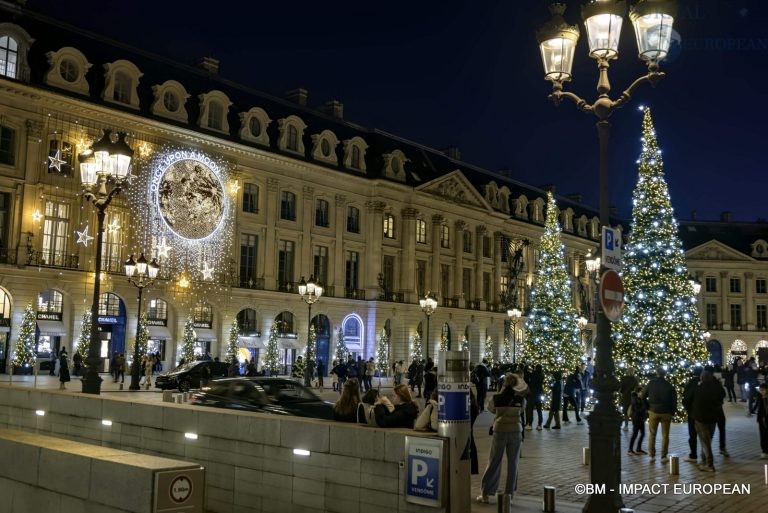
(557, 42)
(653, 20)
(603, 19)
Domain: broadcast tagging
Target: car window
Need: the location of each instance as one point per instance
(245, 391)
(218, 389)
(289, 391)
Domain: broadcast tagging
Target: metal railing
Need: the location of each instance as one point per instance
(41, 259)
(451, 302)
(354, 293)
(392, 297)
(243, 282)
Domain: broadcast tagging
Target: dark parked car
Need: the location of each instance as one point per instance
(280, 396)
(187, 376)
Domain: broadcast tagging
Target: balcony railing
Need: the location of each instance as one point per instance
(288, 286)
(392, 297)
(41, 259)
(473, 304)
(354, 293)
(451, 302)
(7, 256)
(248, 282)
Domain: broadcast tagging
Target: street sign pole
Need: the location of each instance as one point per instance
(453, 416)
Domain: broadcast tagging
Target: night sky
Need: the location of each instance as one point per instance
(468, 73)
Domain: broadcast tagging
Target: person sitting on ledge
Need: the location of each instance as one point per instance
(404, 413)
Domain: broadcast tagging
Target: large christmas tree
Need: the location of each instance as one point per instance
(85, 335)
(311, 350)
(382, 353)
(488, 350)
(341, 347)
(506, 351)
(660, 326)
(24, 355)
(272, 355)
(417, 352)
(232, 345)
(552, 334)
(187, 349)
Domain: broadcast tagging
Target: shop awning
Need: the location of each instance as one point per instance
(159, 333)
(51, 328)
(290, 343)
(253, 342)
(205, 334)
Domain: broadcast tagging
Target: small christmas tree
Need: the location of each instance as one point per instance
(382, 354)
(417, 352)
(443, 342)
(297, 369)
(232, 346)
(272, 354)
(341, 347)
(464, 343)
(24, 355)
(311, 349)
(143, 339)
(552, 333)
(85, 335)
(488, 352)
(187, 349)
(506, 351)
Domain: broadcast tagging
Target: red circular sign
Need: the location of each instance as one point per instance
(612, 295)
(181, 489)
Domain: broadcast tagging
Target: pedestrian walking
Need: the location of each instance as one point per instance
(77, 360)
(627, 385)
(688, 391)
(507, 407)
(149, 364)
(205, 375)
(120, 368)
(535, 394)
(399, 371)
(762, 420)
(63, 370)
(638, 412)
(556, 399)
(320, 372)
(728, 375)
(52, 361)
(571, 396)
(370, 370)
(662, 404)
(707, 408)
(481, 382)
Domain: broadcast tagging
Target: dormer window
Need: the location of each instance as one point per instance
(253, 126)
(67, 70)
(394, 165)
(121, 80)
(324, 147)
(9, 56)
(291, 134)
(170, 101)
(214, 107)
(14, 45)
(354, 153)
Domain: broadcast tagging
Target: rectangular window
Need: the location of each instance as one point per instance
(487, 292)
(248, 250)
(388, 273)
(60, 151)
(711, 315)
(467, 242)
(7, 145)
(710, 283)
(158, 309)
(762, 317)
(321, 213)
(760, 286)
(111, 250)
(9, 56)
(353, 267)
(486, 247)
(735, 316)
(421, 278)
(735, 285)
(5, 217)
(109, 304)
(285, 258)
(504, 284)
(251, 198)
(445, 236)
(445, 281)
(320, 264)
(504, 250)
(288, 206)
(466, 283)
(55, 232)
(389, 226)
(353, 219)
(421, 231)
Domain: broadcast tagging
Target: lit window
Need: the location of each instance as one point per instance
(9, 56)
(421, 231)
(389, 226)
(445, 236)
(121, 92)
(288, 206)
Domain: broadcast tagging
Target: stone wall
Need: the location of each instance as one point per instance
(249, 460)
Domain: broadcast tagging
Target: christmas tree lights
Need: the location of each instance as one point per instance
(488, 351)
(341, 348)
(552, 334)
(417, 352)
(382, 353)
(24, 355)
(506, 351)
(85, 335)
(232, 344)
(660, 325)
(187, 349)
(311, 349)
(272, 354)
(143, 339)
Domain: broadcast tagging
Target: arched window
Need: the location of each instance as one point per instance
(5, 305)
(246, 322)
(355, 160)
(285, 324)
(353, 334)
(293, 138)
(121, 92)
(9, 56)
(215, 113)
(109, 304)
(50, 301)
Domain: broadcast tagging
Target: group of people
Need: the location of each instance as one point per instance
(362, 371)
(59, 366)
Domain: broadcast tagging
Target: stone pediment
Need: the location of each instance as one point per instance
(455, 187)
(716, 250)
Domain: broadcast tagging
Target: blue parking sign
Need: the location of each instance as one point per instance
(424, 470)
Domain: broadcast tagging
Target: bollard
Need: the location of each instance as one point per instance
(549, 499)
(178, 398)
(626, 510)
(167, 396)
(765, 470)
(674, 465)
(185, 397)
(504, 503)
(121, 386)
(585, 455)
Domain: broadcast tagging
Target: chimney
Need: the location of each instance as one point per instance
(297, 96)
(694, 215)
(453, 152)
(577, 198)
(725, 217)
(209, 64)
(334, 107)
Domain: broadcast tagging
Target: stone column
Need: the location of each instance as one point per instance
(28, 195)
(498, 240)
(372, 263)
(725, 286)
(408, 262)
(307, 221)
(434, 285)
(749, 315)
(336, 273)
(479, 236)
(273, 214)
(458, 280)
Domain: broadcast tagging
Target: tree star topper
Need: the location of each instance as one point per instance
(56, 161)
(83, 237)
(207, 271)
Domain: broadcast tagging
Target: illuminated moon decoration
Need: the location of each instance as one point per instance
(190, 196)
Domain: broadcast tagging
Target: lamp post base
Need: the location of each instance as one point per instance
(91, 383)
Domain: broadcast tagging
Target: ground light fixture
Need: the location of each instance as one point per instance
(190, 436)
(301, 452)
(40, 413)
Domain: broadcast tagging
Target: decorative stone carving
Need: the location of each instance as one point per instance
(375, 206)
(341, 200)
(460, 225)
(438, 219)
(34, 129)
(272, 184)
(409, 213)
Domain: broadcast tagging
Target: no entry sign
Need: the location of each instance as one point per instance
(612, 295)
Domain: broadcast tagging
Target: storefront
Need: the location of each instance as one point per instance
(111, 322)
(287, 340)
(157, 324)
(5, 329)
(205, 335)
(324, 351)
(250, 345)
(50, 327)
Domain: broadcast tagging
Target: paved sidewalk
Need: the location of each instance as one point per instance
(553, 458)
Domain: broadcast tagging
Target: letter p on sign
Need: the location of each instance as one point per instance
(419, 469)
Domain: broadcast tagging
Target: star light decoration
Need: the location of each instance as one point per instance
(113, 227)
(83, 237)
(56, 161)
(207, 272)
(163, 249)
(37, 216)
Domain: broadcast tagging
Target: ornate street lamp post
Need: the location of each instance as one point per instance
(140, 275)
(104, 168)
(582, 322)
(652, 20)
(428, 305)
(514, 315)
(310, 293)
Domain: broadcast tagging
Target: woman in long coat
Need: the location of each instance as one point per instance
(63, 370)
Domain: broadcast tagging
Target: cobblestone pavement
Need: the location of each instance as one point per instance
(553, 458)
